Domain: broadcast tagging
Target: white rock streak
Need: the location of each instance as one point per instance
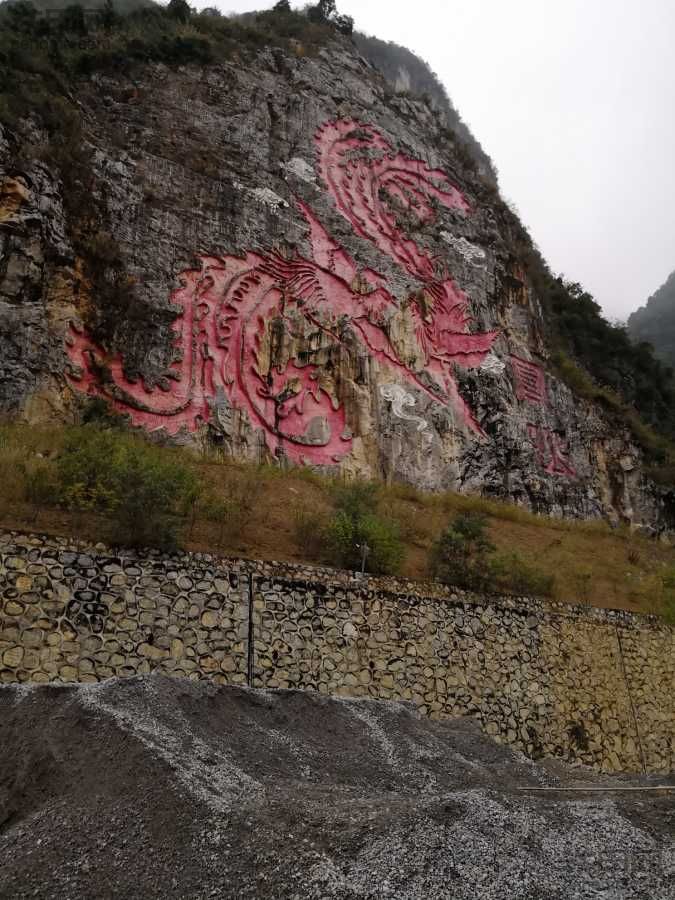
(468, 251)
(268, 197)
(398, 397)
(263, 195)
(492, 364)
(301, 169)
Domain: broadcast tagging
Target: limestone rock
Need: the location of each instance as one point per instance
(353, 315)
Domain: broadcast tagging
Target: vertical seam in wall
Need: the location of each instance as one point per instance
(250, 643)
(630, 699)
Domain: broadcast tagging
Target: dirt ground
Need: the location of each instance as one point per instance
(158, 788)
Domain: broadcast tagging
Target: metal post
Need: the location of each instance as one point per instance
(365, 550)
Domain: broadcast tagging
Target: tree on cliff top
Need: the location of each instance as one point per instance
(179, 10)
(325, 13)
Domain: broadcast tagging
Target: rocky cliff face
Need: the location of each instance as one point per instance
(307, 273)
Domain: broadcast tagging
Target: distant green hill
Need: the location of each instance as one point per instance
(655, 322)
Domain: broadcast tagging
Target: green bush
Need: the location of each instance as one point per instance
(355, 525)
(347, 535)
(463, 556)
(356, 498)
(99, 411)
(147, 492)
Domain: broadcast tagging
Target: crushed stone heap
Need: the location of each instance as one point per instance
(154, 787)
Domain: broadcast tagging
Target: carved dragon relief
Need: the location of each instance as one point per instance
(268, 330)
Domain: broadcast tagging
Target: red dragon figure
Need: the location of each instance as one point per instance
(244, 325)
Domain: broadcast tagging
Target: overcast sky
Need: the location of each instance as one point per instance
(574, 100)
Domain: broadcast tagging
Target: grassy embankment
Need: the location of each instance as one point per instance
(264, 512)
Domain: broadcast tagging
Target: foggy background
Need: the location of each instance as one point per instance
(574, 100)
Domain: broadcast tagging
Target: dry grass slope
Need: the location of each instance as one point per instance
(268, 513)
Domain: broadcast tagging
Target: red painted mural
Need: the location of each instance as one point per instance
(530, 381)
(551, 453)
(234, 314)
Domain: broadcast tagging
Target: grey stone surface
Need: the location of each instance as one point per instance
(194, 161)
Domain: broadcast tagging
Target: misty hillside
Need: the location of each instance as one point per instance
(655, 322)
(406, 72)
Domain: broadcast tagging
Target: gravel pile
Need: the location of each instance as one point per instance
(156, 787)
